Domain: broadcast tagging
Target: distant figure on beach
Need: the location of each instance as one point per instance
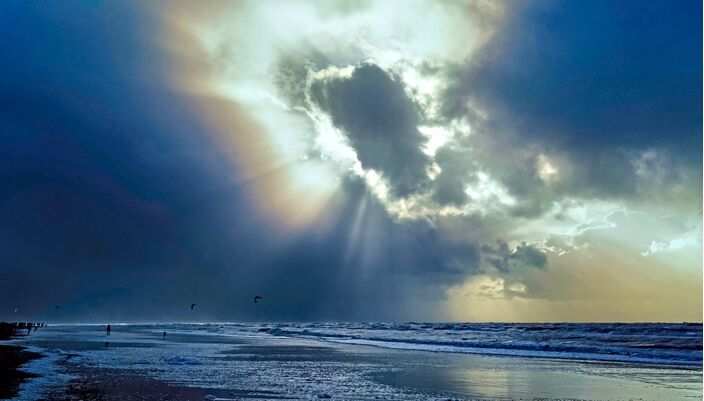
(108, 330)
(163, 334)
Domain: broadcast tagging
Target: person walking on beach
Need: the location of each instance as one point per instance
(107, 330)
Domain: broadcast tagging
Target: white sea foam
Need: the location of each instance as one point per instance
(48, 376)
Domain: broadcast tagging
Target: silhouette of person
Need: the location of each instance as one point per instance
(108, 330)
(163, 334)
(29, 328)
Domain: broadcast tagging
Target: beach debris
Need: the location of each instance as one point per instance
(210, 397)
(324, 396)
(257, 298)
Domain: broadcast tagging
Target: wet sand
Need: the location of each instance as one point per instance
(12, 358)
(11, 377)
(109, 385)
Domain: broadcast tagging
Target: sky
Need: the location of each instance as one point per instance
(351, 160)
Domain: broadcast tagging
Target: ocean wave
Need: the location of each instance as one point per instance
(654, 343)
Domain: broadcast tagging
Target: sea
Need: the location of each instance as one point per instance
(651, 343)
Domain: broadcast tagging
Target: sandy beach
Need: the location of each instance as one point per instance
(199, 362)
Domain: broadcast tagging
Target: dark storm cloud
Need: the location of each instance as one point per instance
(505, 260)
(69, 206)
(381, 121)
(456, 168)
(116, 205)
(597, 82)
(99, 171)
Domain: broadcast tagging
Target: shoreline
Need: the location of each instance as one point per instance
(140, 364)
(12, 358)
(438, 347)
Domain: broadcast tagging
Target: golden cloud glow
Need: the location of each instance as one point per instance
(601, 271)
(601, 290)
